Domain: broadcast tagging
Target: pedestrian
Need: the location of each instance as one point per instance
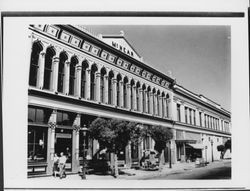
(55, 165)
(62, 162)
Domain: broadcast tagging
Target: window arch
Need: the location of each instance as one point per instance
(34, 65)
(125, 92)
(85, 65)
(93, 82)
(118, 101)
(72, 75)
(47, 81)
(103, 73)
(110, 87)
(61, 71)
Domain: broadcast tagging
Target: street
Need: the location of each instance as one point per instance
(212, 171)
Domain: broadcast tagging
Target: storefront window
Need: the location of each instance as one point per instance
(37, 144)
(38, 115)
(65, 118)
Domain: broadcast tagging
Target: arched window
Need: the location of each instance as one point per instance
(61, 72)
(103, 72)
(143, 98)
(154, 101)
(125, 92)
(83, 79)
(132, 83)
(162, 103)
(137, 95)
(93, 82)
(118, 102)
(47, 81)
(167, 105)
(110, 87)
(158, 102)
(36, 49)
(72, 75)
(148, 95)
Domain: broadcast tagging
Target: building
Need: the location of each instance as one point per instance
(76, 76)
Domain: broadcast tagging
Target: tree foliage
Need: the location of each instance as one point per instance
(114, 134)
(228, 144)
(220, 148)
(160, 134)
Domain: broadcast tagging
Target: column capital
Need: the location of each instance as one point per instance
(76, 128)
(42, 53)
(56, 59)
(52, 125)
(98, 74)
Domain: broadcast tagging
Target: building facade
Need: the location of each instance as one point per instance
(76, 76)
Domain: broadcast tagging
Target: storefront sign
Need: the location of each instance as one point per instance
(63, 135)
(122, 49)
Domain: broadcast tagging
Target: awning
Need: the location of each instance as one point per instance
(185, 141)
(197, 146)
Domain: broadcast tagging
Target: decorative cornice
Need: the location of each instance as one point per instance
(66, 37)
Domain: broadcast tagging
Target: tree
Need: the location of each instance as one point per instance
(114, 135)
(221, 148)
(228, 144)
(161, 136)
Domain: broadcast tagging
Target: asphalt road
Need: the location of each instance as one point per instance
(212, 171)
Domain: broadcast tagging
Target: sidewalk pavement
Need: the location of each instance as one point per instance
(133, 174)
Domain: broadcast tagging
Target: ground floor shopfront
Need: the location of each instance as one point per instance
(55, 127)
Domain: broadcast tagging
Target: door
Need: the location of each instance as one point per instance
(63, 143)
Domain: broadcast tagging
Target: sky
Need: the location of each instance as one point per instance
(199, 57)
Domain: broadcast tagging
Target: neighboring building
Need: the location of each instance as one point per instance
(76, 76)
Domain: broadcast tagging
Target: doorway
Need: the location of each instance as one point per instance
(63, 143)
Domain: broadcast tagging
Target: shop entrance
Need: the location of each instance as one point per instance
(63, 143)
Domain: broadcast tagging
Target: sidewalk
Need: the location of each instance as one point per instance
(176, 169)
(133, 174)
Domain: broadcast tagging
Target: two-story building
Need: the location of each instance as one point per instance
(76, 76)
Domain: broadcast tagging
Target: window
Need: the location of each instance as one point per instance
(190, 116)
(37, 144)
(194, 117)
(143, 99)
(83, 82)
(72, 75)
(178, 112)
(137, 98)
(200, 119)
(93, 82)
(110, 88)
(61, 72)
(186, 117)
(47, 82)
(38, 115)
(102, 86)
(65, 118)
(36, 49)
(118, 90)
(147, 94)
(167, 108)
(125, 94)
(158, 104)
(205, 119)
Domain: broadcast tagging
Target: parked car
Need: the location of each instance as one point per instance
(150, 160)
